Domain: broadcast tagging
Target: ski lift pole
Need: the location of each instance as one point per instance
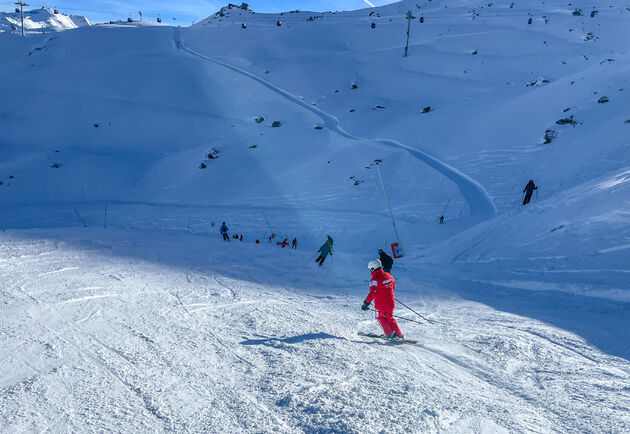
(79, 215)
(409, 18)
(267, 221)
(21, 4)
(380, 177)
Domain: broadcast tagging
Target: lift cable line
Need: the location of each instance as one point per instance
(380, 177)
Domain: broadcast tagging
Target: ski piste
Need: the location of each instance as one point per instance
(385, 338)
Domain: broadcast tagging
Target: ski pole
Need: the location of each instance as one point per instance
(311, 258)
(396, 316)
(426, 319)
(78, 215)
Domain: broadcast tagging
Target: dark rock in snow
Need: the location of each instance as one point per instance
(567, 121)
(550, 135)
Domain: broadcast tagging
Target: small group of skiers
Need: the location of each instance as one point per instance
(224, 233)
(285, 242)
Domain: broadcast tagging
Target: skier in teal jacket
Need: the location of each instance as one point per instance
(324, 251)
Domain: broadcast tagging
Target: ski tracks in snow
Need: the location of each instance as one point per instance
(193, 350)
(480, 205)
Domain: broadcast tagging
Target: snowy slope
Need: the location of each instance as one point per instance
(153, 324)
(38, 20)
(146, 331)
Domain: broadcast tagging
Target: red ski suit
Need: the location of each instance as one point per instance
(382, 292)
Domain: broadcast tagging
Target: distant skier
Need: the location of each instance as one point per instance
(224, 232)
(382, 288)
(294, 244)
(284, 243)
(241, 238)
(386, 260)
(324, 251)
(528, 190)
(441, 219)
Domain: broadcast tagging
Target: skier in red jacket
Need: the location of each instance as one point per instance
(382, 292)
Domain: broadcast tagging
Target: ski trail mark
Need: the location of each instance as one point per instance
(480, 205)
(90, 297)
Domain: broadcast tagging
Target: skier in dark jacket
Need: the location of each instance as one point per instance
(224, 232)
(324, 251)
(386, 260)
(528, 190)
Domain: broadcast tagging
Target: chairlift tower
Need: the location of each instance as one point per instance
(409, 18)
(21, 4)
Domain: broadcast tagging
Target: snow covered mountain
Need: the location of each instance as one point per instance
(38, 20)
(123, 143)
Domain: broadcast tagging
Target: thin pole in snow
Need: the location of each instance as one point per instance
(267, 221)
(105, 220)
(78, 215)
(387, 202)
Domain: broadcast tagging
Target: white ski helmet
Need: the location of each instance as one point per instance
(374, 264)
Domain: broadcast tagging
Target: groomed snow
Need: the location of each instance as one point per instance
(145, 331)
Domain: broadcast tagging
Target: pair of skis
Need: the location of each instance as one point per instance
(388, 339)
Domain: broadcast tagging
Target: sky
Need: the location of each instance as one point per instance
(184, 12)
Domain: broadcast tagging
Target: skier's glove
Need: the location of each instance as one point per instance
(365, 305)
